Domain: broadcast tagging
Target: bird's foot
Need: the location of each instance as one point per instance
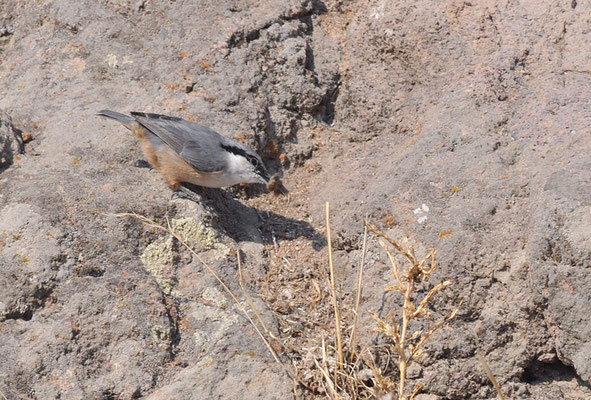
(187, 194)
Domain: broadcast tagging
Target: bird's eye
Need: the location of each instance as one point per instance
(253, 161)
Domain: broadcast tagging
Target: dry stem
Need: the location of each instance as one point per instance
(249, 299)
(490, 374)
(358, 296)
(335, 301)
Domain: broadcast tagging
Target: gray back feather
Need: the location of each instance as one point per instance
(198, 145)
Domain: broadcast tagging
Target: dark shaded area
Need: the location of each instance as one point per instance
(538, 372)
(11, 141)
(236, 220)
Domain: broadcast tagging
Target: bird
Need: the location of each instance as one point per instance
(187, 152)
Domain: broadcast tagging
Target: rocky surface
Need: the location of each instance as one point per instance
(11, 141)
(463, 125)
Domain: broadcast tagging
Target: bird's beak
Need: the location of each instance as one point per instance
(264, 179)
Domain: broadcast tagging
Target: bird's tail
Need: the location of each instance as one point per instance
(126, 120)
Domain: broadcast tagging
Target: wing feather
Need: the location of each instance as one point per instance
(198, 145)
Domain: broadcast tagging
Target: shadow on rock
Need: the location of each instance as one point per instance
(242, 223)
(11, 141)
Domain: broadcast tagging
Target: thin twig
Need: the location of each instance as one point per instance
(335, 302)
(395, 272)
(425, 302)
(358, 297)
(249, 299)
(329, 382)
(393, 242)
(490, 374)
(410, 288)
(416, 391)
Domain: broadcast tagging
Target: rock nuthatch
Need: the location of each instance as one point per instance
(184, 151)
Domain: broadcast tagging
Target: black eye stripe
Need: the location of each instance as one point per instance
(259, 167)
(237, 150)
(261, 171)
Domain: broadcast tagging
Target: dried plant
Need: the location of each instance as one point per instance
(406, 345)
(356, 375)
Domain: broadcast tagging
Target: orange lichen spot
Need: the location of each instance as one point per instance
(276, 346)
(272, 149)
(172, 86)
(183, 325)
(241, 139)
(204, 64)
(76, 162)
(389, 220)
(505, 176)
(455, 189)
(420, 130)
(183, 54)
(445, 233)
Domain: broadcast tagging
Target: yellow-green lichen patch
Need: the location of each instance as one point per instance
(201, 339)
(157, 259)
(198, 236)
(205, 362)
(213, 295)
(212, 318)
(161, 335)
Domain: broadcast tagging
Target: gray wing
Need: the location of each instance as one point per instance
(196, 144)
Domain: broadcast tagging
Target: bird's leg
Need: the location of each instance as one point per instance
(185, 193)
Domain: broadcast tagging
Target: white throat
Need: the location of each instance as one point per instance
(239, 169)
(236, 165)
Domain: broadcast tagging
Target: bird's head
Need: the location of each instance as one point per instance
(246, 165)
